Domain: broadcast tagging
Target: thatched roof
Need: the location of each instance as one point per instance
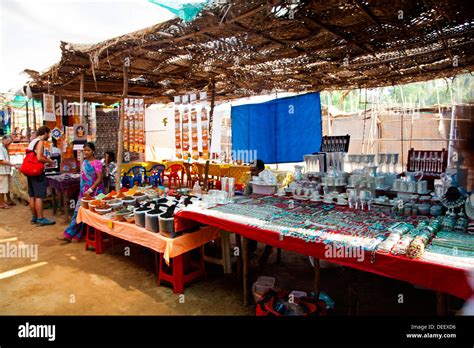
(251, 47)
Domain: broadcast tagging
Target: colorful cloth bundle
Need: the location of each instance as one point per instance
(416, 248)
(402, 245)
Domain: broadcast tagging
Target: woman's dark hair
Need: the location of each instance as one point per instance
(259, 164)
(90, 146)
(111, 156)
(42, 131)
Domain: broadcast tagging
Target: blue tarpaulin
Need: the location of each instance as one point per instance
(280, 131)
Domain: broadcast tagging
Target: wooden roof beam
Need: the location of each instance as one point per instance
(367, 12)
(268, 37)
(318, 24)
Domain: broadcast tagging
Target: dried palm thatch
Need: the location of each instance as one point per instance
(250, 47)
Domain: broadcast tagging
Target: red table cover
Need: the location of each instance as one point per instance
(434, 276)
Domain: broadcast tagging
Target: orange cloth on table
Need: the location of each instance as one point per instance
(170, 247)
(214, 169)
(237, 172)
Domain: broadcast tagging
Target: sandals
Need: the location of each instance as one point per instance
(11, 203)
(6, 206)
(64, 240)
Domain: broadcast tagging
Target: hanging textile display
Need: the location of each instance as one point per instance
(194, 128)
(204, 126)
(191, 127)
(134, 128)
(185, 128)
(126, 118)
(48, 111)
(177, 127)
(141, 126)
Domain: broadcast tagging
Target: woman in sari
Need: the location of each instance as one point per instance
(91, 185)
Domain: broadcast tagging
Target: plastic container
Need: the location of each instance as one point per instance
(121, 215)
(140, 197)
(130, 218)
(85, 202)
(140, 217)
(115, 204)
(298, 294)
(129, 201)
(263, 284)
(151, 221)
(103, 211)
(167, 227)
(264, 189)
(93, 204)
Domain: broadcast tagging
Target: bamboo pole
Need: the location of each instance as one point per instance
(81, 99)
(28, 131)
(120, 130)
(211, 113)
(34, 114)
(451, 127)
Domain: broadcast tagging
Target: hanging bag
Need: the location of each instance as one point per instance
(31, 166)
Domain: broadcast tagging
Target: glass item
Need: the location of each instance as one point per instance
(380, 182)
(422, 186)
(394, 161)
(388, 161)
(298, 173)
(411, 176)
(381, 160)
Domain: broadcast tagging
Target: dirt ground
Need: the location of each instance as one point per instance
(68, 280)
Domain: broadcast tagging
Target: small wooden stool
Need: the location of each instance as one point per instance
(96, 240)
(176, 277)
(226, 260)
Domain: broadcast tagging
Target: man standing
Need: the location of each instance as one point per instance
(5, 170)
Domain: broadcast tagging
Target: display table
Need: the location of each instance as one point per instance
(431, 274)
(169, 247)
(64, 185)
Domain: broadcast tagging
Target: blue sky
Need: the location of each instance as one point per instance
(31, 30)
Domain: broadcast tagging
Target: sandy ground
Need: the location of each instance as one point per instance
(68, 280)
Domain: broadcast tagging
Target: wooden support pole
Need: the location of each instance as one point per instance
(245, 261)
(28, 131)
(34, 114)
(211, 114)
(121, 124)
(81, 100)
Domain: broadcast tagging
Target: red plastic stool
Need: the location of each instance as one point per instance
(177, 278)
(96, 240)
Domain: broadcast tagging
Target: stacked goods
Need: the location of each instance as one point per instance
(107, 121)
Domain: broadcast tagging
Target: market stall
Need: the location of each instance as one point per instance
(309, 227)
(416, 220)
(138, 216)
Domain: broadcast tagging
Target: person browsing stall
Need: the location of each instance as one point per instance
(37, 184)
(90, 185)
(5, 171)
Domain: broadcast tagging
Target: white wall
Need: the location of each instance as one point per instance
(159, 138)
